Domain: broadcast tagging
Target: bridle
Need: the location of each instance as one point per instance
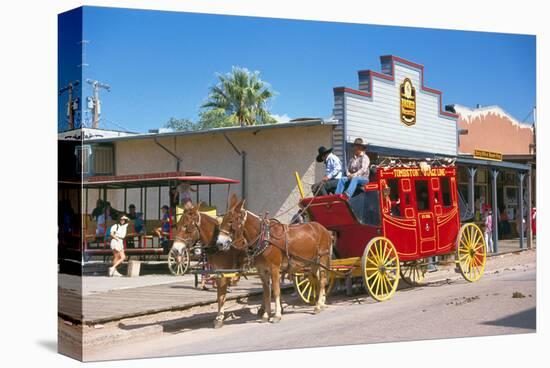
(197, 226)
(254, 247)
(237, 228)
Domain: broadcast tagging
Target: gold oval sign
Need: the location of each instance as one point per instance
(408, 102)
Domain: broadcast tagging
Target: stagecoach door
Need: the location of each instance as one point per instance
(426, 222)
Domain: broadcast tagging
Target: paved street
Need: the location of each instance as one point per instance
(503, 302)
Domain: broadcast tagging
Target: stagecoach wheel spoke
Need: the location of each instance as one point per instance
(380, 281)
(471, 252)
(307, 286)
(178, 263)
(413, 272)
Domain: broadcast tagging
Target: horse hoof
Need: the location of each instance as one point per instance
(316, 310)
(218, 324)
(264, 319)
(275, 319)
(261, 311)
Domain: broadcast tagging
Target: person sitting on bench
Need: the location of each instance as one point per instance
(358, 170)
(164, 229)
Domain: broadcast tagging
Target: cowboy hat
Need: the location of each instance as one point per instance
(359, 142)
(322, 151)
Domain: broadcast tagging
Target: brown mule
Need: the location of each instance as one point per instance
(272, 246)
(194, 226)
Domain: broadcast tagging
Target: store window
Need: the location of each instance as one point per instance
(103, 160)
(83, 154)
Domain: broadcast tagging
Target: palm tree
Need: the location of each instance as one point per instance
(242, 96)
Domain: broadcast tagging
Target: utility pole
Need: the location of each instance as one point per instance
(95, 101)
(72, 105)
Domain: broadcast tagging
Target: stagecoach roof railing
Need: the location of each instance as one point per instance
(390, 162)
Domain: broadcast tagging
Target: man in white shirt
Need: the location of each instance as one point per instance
(118, 233)
(333, 172)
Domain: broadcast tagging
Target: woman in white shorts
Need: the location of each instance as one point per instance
(118, 233)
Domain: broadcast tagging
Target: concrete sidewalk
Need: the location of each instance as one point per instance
(512, 245)
(106, 299)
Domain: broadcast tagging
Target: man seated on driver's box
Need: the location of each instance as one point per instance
(358, 170)
(333, 172)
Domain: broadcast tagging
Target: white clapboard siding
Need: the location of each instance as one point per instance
(338, 131)
(377, 119)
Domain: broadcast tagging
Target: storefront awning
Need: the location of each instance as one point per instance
(468, 160)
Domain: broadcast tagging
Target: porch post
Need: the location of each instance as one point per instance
(529, 207)
(471, 187)
(520, 218)
(495, 173)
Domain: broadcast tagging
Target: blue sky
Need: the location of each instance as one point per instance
(161, 64)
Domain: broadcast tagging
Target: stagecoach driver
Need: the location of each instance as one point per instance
(333, 171)
(358, 170)
(118, 233)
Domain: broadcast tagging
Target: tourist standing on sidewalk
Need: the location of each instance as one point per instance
(489, 230)
(118, 233)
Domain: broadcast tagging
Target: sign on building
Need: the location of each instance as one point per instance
(393, 109)
(488, 155)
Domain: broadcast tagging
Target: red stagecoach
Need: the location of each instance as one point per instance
(408, 213)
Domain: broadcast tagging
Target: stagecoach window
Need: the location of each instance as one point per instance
(446, 192)
(366, 207)
(394, 204)
(422, 195)
(372, 209)
(394, 189)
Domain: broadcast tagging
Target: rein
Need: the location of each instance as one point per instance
(302, 210)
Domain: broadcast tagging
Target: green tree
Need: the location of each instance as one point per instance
(242, 96)
(180, 125)
(215, 118)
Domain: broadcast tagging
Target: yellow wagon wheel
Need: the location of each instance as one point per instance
(380, 266)
(307, 286)
(178, 263)
(471, 252)
(413, 272)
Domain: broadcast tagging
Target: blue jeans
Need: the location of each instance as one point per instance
(353, 183)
